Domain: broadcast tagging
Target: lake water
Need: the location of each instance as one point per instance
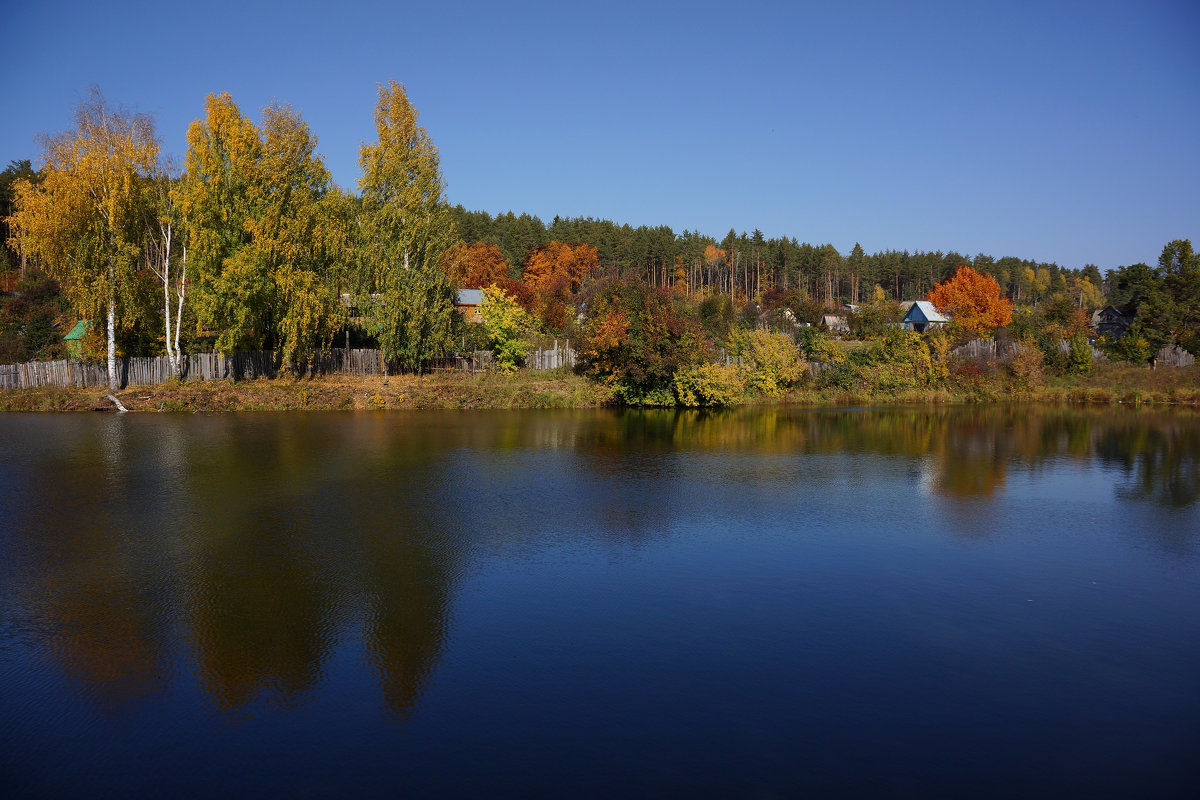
(760, 603)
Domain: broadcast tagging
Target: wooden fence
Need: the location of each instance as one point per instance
(1174, 356)
(987, 349)
(243, 366)
(993, 350)
(552, 358)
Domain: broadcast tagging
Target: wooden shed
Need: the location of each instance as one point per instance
(923, 316)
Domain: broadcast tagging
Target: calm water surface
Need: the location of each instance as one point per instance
(762, 603)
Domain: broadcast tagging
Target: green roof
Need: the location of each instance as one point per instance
(80, 330)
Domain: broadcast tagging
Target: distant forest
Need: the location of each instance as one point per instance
(751, 264)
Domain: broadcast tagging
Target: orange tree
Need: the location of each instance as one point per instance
(474, 266)
(637, 338)
(554, 272)
(973, 300)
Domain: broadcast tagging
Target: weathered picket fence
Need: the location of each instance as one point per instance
(241, 366)
(551, 358)
(1174, 356)
(996, 350)
(987, 350)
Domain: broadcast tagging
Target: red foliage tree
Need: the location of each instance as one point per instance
(553, 272)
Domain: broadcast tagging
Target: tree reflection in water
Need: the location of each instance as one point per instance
(273, 541)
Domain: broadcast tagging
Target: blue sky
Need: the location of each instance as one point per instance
(1065, 132)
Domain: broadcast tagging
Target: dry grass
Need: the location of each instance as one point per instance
(1109, 384)
(556, 389)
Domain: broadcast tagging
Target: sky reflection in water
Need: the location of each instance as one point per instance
(766, 600)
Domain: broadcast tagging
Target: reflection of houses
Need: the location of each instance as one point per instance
(835, 323)
(469, 302)
(1110, 322)
(921, 316)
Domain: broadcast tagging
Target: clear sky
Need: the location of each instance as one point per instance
(1056, 131)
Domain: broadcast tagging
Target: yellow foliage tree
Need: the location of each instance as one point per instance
(266, 228)
(507, 326)
(85, 221)
(406, 224)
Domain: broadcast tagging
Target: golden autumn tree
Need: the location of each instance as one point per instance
(973, 300)
(265, 230)
(85, 221)
(554, 271)
(474, 266)
(406, 224)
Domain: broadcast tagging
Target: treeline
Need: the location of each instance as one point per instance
(249, 245)
(749, 265)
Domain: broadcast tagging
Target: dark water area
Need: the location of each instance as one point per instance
(759, 603)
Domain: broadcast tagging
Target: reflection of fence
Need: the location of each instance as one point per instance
(214, 366)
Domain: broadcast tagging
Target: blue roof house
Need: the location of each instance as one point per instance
(922, 316)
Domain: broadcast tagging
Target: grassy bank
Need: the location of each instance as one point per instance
(551, 389)
(1109, 384)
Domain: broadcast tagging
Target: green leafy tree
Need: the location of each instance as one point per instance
(266, 229)
(1079, 355)
(405, 225)
(1166, 299)
(1179, 266)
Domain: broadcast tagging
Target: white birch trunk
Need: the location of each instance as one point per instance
(113, 380)
(172, 354)
(179, 312)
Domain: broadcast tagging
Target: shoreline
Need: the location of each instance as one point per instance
(562, 389)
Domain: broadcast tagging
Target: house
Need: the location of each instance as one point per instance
(1111, 322)
(922, 316)
(469, 302)
(835, 323)
(74, 339)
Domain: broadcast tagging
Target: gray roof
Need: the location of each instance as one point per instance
(469, 297)
(924, 311)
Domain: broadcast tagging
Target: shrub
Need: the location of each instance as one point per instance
(636, 338)
(770, 361)
(654, 396)
(815, 345)
(1079, 355)
(708, 385)
(1027, 367)
(1132, 347)
(507, 325)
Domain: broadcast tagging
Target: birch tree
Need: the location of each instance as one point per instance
(83, 220)
(405, 225)
(266, 228)
(166, 256)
